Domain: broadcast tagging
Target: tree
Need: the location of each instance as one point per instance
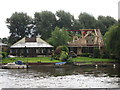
(87, 21)
(112, 40)
(65, 19)
(76, 25)
(20, 25)
(5, 40)
(103, 23)
(59, 37)
(45, 22)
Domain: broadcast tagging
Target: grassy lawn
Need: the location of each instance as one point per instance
(88, 59)
(30, 60)
(48, 59)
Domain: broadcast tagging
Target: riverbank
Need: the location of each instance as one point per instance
(47, 60)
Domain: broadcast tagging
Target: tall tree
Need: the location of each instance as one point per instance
(59, 37)
(19, 25)
(45, 22)
(112, 39)
(103, 23)
(76, 25)
(64, 19)
(87, 21)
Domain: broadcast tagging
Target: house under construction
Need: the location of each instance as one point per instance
(89, 39)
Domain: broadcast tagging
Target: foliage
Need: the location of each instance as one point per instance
(85, 54)
(60, 53)
(63, 56)
(4, 54)
(63, 48)
(112, 40)
(96, 53)
(87, 21)
(65, 19)
(5, 40)
(103, 23)
(20, 25)
(59, 37)
(105, 54)
(45, 22)
(72, 54)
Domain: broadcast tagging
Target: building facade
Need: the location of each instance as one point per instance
(31, 47)
(89, 39)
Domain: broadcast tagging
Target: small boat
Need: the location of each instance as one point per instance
(15, 65)
(60, 63)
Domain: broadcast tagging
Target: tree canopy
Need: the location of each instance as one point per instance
(59, 37)
(45, 22)
(19, 25)
(112, 39)
(87, 21)
(65, 19)
(103, 23)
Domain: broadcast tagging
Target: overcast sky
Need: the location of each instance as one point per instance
(75, 7)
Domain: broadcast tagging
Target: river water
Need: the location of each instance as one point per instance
(44, 76)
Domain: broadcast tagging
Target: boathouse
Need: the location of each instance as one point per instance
(87, 41)
(34, 47)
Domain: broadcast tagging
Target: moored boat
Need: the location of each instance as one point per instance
(15, 65)
(60, 63)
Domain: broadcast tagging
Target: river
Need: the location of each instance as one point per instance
(45, 76)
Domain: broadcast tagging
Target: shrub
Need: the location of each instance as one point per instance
(105, 55)
(63, 56)
(63, 48)
(3, 54)
(60, 53)
(72, 54)
(96, 53)
(85, 54)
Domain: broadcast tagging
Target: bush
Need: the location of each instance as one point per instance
(63, 48)
(4, 54)
(60, 53)
(96, 53)
(85, 54)
(113, 56)
(72, 54)
(63, 56)
(105, 55)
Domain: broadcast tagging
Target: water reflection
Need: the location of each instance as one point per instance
(66, 77)
(75, 70)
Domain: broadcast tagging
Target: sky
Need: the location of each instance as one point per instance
(75, 7)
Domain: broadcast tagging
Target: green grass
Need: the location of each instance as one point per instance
(88, 59)
(30, 60)
(48, 59)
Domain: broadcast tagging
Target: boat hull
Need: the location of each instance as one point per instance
(14, 67)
